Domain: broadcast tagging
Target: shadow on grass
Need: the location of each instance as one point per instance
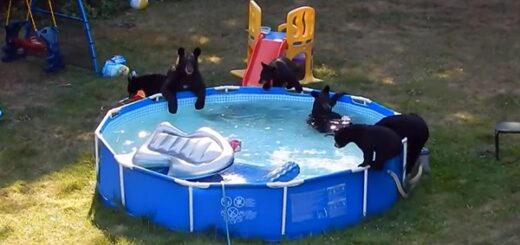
(116, 224)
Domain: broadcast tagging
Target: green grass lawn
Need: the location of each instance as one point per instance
(457, 63)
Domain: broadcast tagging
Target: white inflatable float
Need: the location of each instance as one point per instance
(189, 156)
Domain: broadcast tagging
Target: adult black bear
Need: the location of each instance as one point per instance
(322, 117)
(149, 83)
(185, 77)
(413, 127)
(378, 140)
(282, 72)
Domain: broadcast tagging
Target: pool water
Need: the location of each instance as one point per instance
(272, 133)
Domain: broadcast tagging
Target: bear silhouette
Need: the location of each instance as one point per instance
(322, 118)
(185, 76)
(279, 73)
(150, 83)
(371, 139)
(410, 126)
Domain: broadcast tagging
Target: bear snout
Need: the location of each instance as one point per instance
(189, 70)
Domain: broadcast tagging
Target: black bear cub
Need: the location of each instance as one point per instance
(413, 127)
(279, 73)
(150, 83)
(322, 117)
(378, 140)
(185, 76)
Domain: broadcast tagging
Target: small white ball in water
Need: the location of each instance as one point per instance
(277, 142)
(142, 134)
(267, 128)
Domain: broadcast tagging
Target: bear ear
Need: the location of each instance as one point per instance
(180, 51)
(197, 52)
(268, 67)
(326, 89)
(314, 94)
(133, 74)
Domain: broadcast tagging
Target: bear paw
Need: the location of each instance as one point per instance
(199, 105)
(172, 108)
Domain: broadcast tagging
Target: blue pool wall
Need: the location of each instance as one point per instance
(312, 206)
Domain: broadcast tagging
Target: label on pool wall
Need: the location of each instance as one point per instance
(238, 209)
(323, 203)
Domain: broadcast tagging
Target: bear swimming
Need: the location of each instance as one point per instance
(322, 118)
(371, 139)
(282, 72)
(185, 76)
(410, 126)
(150, 83)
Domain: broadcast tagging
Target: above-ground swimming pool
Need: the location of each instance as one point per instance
(329, 192)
